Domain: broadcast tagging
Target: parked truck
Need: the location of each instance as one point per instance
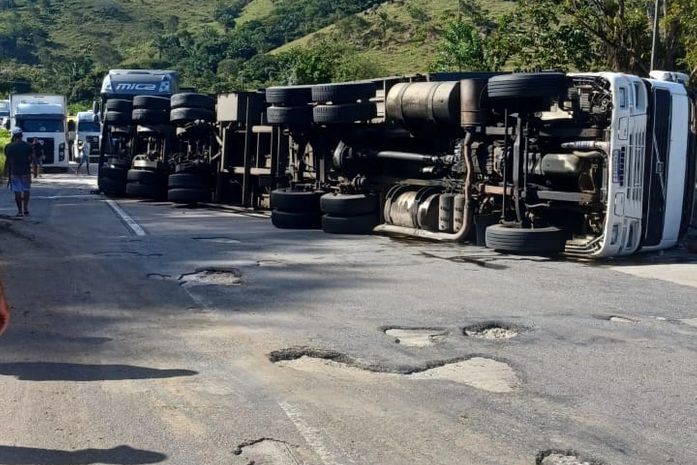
(589, 164)
(43, 117)
(87, 131)
(4, 113)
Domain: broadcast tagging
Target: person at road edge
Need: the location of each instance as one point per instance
(18, 164)
(37, 160)
(83, 150)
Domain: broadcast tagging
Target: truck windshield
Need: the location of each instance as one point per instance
(87, 126)
(41, 125)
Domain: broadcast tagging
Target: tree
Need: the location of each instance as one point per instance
(462, 49)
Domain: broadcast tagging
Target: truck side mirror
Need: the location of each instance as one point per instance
(95, 107)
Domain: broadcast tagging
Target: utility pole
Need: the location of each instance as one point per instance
(656, 34)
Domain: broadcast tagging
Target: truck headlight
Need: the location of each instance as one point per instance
(61, 152)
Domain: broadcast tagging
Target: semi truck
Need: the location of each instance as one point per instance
(4, 113)
(136, 137)
(43, 117)
(591, 165)
(87, 130)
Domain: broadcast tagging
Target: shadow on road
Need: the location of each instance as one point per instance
(119, 455)
(39, 371)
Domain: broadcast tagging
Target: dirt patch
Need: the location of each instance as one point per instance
(553, 457)
(492, 331)
(690, 322)
(478, 372)
(268, 452)
(621, 319)
(212, 277)
(417, 337)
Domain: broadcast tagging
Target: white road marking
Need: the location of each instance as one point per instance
(312, 436)
(130, 222)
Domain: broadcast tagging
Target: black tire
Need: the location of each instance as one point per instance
(542, 241)
(527, 86)
(361, 224)
(190, 100)
(291, 201)
(289, 115)
(117, 174)
(118, 118)
(188, 181)
(120, 105)
(144, 191)
(293, 96)
(343, 114)
(296, 220)
(151, 102)
(155, 178)
(112, 187)
(187, 115)
(154, 117)
(188, 196)
(349, 92)
(349, 205)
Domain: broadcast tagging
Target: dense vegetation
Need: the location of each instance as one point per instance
(66, 46)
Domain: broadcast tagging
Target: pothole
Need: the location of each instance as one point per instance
(492, 331)
(268, 452)
(562, 458)
(478, 372)
(212, 277)
(218, 240)
(417, 337)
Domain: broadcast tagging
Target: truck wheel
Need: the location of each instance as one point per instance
(349, 205)
(187, 115)
(296, 220)
(346, 113)
(112, 187)
(188, 196)
(189, 100)
(293, 96)
(154, 117)
(349, 92)
(188, 181)
(120, 105)
(289, 115)
(542, 241)
(526, 89)
(151, 102)
(291, 201)
(144, 191)
(360, 224)
(118, 118)
(146, 177)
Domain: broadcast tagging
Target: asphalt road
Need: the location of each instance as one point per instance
(119, 353)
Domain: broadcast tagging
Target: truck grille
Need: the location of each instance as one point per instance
(94, 144)
(49, 150)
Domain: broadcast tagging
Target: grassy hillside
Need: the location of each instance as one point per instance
(401, 36)
(256, 9)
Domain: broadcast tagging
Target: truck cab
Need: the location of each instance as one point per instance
(87, 130)
(43, 117)
(4, 113)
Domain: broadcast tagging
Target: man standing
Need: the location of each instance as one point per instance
(37, 157)
(18, 161)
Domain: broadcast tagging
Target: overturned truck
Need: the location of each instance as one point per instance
(591, 165)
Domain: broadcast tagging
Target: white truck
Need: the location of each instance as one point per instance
(593, 165)
(43, 117)
(4, 113)
(87, 130)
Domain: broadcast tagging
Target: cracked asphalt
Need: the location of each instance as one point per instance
(113, 358)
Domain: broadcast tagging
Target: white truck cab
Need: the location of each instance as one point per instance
(87, 130)
(4, 112)
(43, 117)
